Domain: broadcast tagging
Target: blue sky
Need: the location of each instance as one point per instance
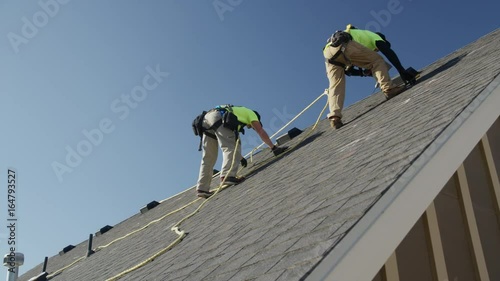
(98, 96)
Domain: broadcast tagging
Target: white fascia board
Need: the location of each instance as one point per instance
(368, 245)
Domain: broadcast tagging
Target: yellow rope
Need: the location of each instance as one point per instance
(289, 122)
(146, 226)
(221, 186)
(161, 252)
(125, 236)
(175, 228)
(64, 268)
(255, 167)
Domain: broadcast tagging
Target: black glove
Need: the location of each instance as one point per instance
(354, 71)
(243, 162)
(278, 150)
(408, 78)
(349, 71)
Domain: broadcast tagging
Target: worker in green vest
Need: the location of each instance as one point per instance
(377, 42)
(220, 127)
(341, 53)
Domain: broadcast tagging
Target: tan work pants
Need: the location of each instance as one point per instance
(226, 139)
(360, 56)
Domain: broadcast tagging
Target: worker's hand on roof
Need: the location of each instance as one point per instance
(277, 150)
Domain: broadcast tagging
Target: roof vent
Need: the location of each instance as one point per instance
(103, 230)
(292, 133)
(66, 249)
(45, 262)
(149, 206)
(89, 246)
(13, 261)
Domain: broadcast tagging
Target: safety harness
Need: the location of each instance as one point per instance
(199, 130)
(228, 120)
(339, 38)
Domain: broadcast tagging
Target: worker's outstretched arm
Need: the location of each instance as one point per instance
(262, 133)
(265, 138)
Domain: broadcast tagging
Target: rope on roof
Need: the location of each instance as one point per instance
(146, 226)
(64, 268)
(290, 122)
(182, 234)
(175, 228)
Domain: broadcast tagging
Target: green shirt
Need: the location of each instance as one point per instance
(245, 115)
(365, 38)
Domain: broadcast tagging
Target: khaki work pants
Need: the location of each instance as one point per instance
(360, 56)
(226, 139)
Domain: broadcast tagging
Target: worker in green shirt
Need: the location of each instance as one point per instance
(341, 53)
(221, 126)
(377, 42)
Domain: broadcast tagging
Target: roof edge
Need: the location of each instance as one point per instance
(368, 245)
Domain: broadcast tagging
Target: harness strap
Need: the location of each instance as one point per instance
(341, 51)
(337, 63)
(214, 127)
(210, 135)
(229, 108)
(337, 54)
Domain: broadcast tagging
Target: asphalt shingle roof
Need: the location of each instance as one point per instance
(287, 215)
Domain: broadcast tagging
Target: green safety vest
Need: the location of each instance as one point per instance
(365, 38)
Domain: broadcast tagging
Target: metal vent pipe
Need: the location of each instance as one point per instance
(13, 261)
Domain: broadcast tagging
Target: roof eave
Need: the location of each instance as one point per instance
(365, 249)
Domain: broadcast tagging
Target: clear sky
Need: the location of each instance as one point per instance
(98, 96)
